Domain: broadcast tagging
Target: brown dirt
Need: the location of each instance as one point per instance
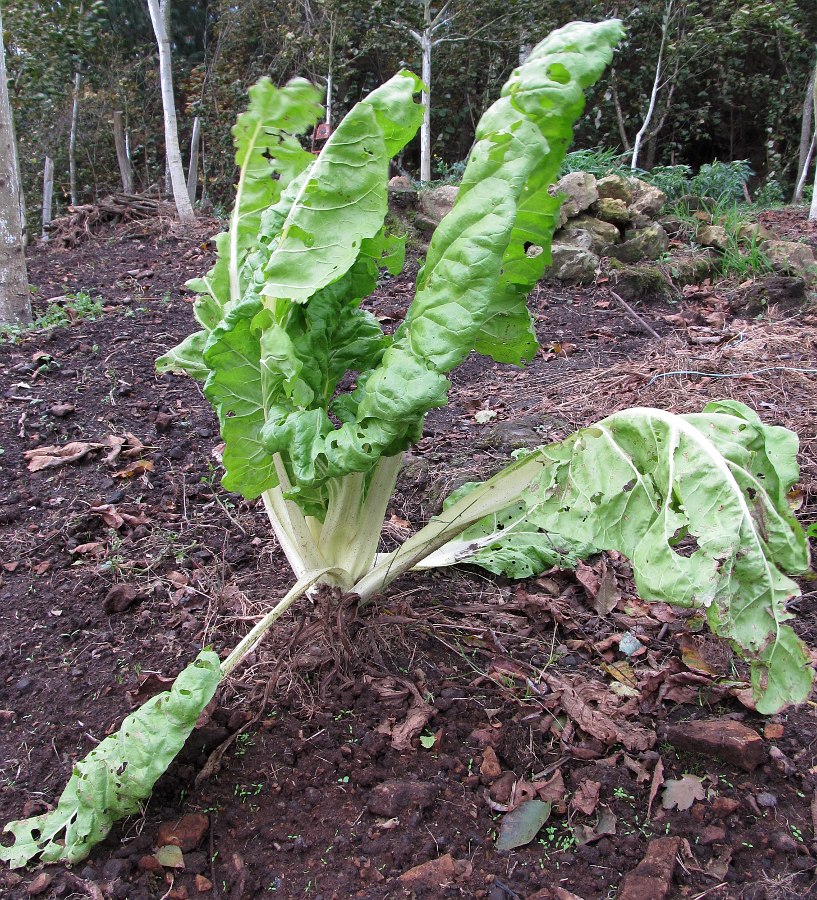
(289, 810)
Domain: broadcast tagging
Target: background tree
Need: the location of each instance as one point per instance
(160, 18)
(15, 301)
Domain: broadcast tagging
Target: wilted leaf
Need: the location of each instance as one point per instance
(417, 718)
(597, 723)
(606, 824)
(553, 790)
(170, 856)
(682, 793)
(520, 826)
(47, 457)
(139, 467)
(586, 798)
(657, 781)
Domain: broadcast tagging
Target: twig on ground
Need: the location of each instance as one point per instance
(635, 316)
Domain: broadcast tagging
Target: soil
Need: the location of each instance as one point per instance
(115, 572)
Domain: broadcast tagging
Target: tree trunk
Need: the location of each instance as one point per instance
(193, 170)
(72, 140)
(159, 16)
(122, 156)
(425, 128)
(15, 301)
(806, 143)
(48, 193)
(656, 86)
(812, 214)
(801, 181)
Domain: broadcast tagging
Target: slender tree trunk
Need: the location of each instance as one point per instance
(806, 142)
(625, 141)
(812, 214)
(72, 140)
(193, 169)
(425, 128)
(656, 86)
(122, 156)
(801, 181)
(48, 194)
(159, 16)
(15, 301)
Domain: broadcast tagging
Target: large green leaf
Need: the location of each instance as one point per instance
(471, 291)
(344, 200)
(117, 776)
(698, 503)
(269, 158)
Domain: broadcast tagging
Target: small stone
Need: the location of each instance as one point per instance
(61, 410)
(579, 190)
(187, 832)
(783, 842)
(714, 236)
(203, 884)
(434, 873)
(121, 597)
(116, 868)
(767, 800)
(436, 203)
(390, 798)
(175, 453)
(642, 243)
(614, 187)
(613, 211)
(773, 731)
(164, 421)
(724, 739)
(647, 199)
(39, 885)
(724, 806)
(652, 877)
(150, 864)
(713, 834)
(24, 684)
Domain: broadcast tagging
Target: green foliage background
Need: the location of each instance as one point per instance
(740, 71)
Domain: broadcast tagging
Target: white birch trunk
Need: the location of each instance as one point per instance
(193, 168)
(72, 140)
(122, 156)
(801, 181)
(806, 140)
(159, 16)
(656, 86)
(48, 194)
(425, 128)
(813, 210)
(15, 301)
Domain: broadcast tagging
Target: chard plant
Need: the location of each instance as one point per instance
(697, 502)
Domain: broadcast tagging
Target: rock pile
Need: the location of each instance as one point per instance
(616, 224)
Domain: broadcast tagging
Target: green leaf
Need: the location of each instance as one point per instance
(698, 503)
(521, 825)
(472, 289)
(344, 200)
(118, 775)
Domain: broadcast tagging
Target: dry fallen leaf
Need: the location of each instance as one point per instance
(138, 467)
(657, 781)
(683, 792)
(47, 457)
(586, 798)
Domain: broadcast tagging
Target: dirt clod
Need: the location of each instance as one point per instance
(391, 798)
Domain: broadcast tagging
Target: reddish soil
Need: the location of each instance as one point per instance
(297, 807)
